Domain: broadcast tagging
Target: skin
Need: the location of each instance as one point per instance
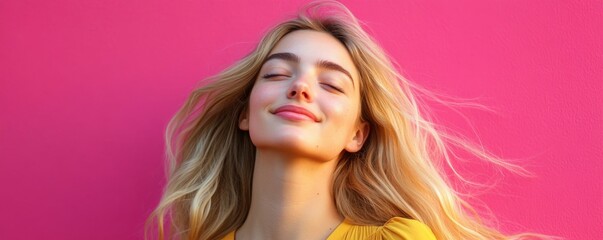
(297, 155)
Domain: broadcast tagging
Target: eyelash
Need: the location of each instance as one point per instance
(333, 87)
(271, 75)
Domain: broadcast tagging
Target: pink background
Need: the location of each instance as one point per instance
(87, 87)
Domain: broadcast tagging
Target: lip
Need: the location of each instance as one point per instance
(294, 113)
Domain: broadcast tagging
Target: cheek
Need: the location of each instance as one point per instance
(258, 99)
(341, 112)
(343, 118)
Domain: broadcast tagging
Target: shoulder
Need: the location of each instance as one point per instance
(404, 228)
(394, 228)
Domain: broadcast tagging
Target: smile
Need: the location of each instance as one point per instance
(295, 113)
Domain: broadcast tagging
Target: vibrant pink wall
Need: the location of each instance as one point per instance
(87, 87)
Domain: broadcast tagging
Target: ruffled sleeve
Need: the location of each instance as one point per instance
(394, 228)
(404, 228)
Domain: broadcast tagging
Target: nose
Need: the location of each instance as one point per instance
(300, 89)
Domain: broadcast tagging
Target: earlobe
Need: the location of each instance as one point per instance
(359, 138)
(244, 120)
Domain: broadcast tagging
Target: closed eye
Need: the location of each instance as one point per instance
(273, 75)
(332, 87)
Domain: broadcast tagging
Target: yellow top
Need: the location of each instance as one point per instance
(394, 228)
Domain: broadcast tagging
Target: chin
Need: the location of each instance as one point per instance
(296, 145)
(284, 141)
(295, 142)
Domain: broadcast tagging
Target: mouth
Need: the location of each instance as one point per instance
(295, 113)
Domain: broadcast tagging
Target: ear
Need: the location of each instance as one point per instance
(244, 120)
(362, 132)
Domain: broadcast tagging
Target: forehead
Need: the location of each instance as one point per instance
(312, 46)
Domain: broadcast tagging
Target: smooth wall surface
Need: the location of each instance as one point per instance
(87, 87)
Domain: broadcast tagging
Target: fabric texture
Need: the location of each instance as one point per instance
(394, 228)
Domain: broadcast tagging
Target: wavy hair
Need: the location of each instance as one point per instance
(398, 172)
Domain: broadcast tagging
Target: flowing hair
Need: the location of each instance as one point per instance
(398, 172)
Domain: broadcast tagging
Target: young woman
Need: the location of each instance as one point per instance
(313, 135)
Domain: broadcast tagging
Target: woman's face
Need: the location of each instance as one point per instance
(306, 101)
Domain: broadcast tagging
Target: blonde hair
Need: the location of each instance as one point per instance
(398, 172)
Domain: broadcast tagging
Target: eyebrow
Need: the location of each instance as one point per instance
(290, 57)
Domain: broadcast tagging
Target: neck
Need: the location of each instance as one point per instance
(291, 198)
